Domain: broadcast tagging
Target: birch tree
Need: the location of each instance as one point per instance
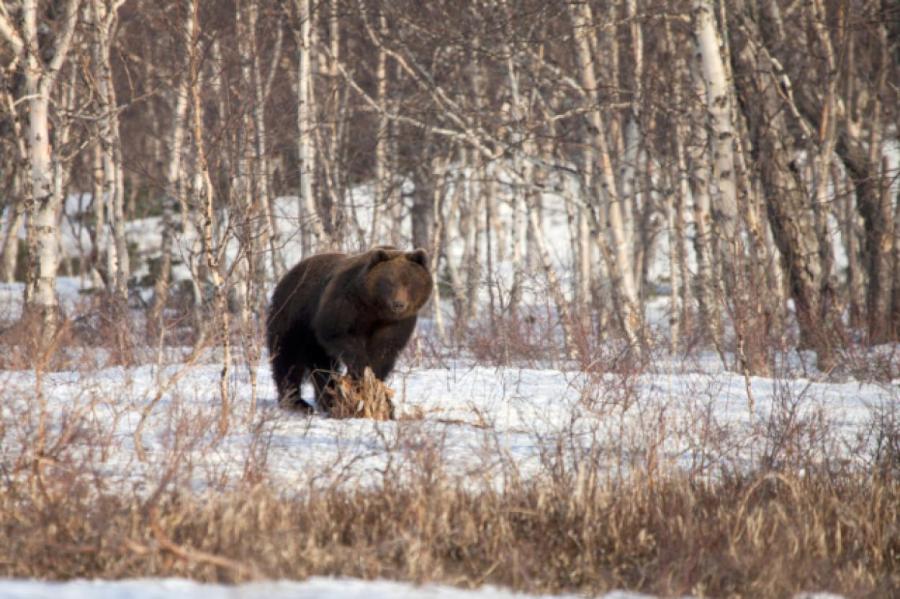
(382, 181)
(615, 249)
(721, 138)
(16, 199)
(41, 69)
(104, 14)
(212, 240)
(173, 199)
(749, 326)
(862, 159)
(314, 231)
(759, 87)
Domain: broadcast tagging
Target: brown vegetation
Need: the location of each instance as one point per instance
(368, 397)
(759, 535)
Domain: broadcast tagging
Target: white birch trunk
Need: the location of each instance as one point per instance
(822, 155)
(585, 272)
(722, 185)
(243, 208)
(44, 258)
(99, 272)
(676, 309)
(439, 227)
(15, 216)
(174, 189)
(631, 208)
(212, 252)
(519, 205)
(718, 104)
(10, 250)
(269, 235)
(616, 248)
(698, 163)
(40, 78)
(382, 183)
(856, 293)
(306, 151)
(472, 199)
(103, 16)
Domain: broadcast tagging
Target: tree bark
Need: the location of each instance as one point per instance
(615, 250)
(787, 203)
(213, 253)
(380, 204)
(704, 241)
(174, 196)
(104, 17)
(10, 250)
(43, 204)
(15, 208)
(314, 231)
(718, 105)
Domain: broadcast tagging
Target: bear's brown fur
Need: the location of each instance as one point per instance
(332, 309)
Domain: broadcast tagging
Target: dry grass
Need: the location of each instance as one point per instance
(766, 535)
(364, 398)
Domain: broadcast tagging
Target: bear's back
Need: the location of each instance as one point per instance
(296, 297)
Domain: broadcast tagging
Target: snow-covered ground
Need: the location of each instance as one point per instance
(313, 588)
(479, 420)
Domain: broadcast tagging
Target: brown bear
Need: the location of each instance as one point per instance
(333, 309)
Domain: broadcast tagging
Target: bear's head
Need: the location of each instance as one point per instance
(397, 283)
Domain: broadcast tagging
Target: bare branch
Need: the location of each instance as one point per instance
(9, 32)
(61, 46)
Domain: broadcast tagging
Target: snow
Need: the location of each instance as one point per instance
(314, 588)
(478, 419)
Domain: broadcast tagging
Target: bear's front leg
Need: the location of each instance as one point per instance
(338, 333)
(385, 345)
(348, 348)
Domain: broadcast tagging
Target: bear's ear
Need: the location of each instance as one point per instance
(377, 256)
(419, 256)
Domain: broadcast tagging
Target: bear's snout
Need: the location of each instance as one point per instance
(398, 305)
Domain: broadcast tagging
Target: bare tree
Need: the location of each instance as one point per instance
(615, 249)
(174, 199)
(759, 90)
(15, 207)
(41, 72)
(104, 14)
(306, 153)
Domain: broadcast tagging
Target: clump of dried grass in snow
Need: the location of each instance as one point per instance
(368, 397)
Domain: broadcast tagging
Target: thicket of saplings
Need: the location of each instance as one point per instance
(788, 522)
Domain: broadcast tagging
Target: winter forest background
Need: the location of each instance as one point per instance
(753, 145)
(601, 187)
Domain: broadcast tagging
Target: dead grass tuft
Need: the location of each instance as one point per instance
(365, 398)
